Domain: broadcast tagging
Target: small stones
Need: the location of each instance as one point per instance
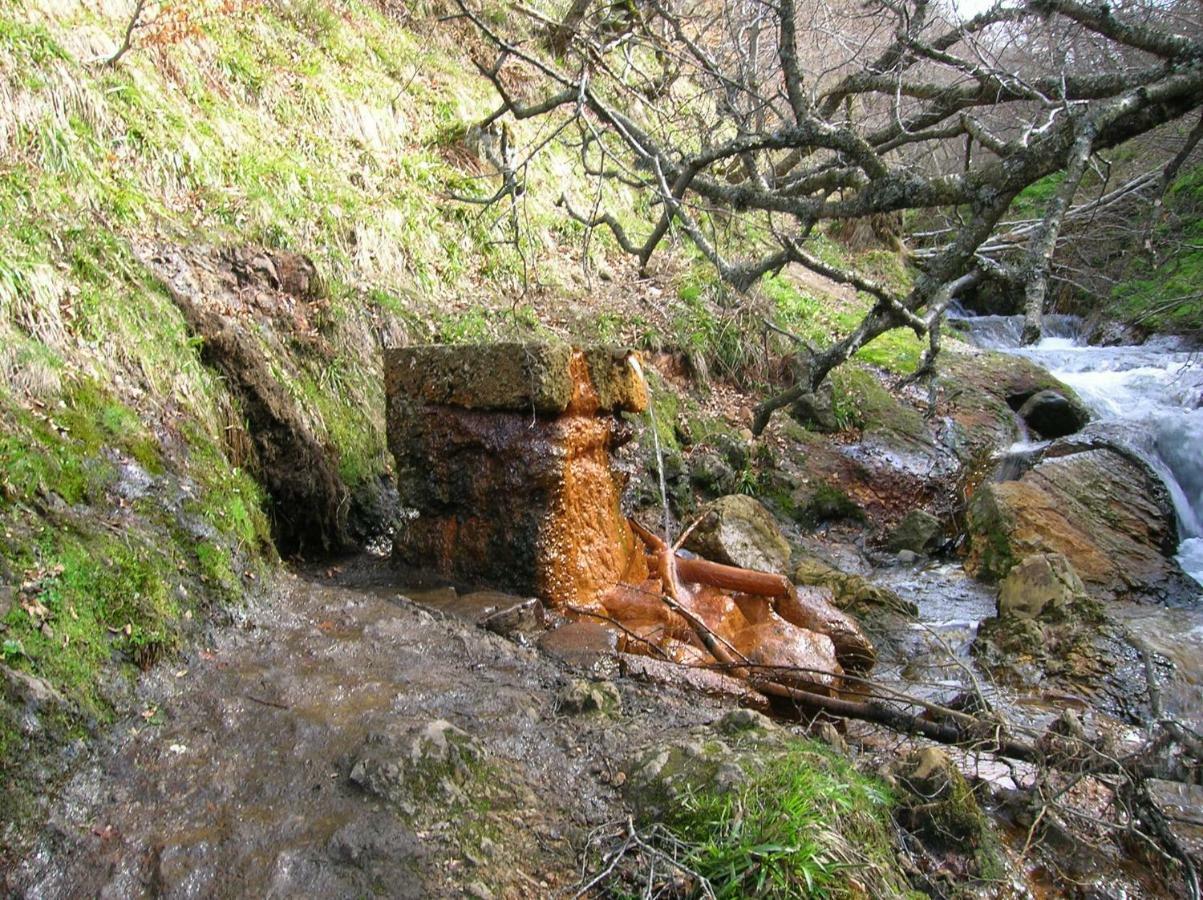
(582, 697)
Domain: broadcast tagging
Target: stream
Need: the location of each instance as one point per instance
(1148, 398)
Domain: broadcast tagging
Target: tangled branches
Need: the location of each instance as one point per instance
(750, 123)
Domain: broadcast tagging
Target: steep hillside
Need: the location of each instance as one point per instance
(204, 244)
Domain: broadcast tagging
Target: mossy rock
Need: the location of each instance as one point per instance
(851, 592)
(937, 804)
(759, 812)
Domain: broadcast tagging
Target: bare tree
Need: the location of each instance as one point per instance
(752, 122)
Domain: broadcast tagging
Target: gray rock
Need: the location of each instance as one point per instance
(710, 472)
(739, 531)
(919, 532)
(816, 411)
(582, 697)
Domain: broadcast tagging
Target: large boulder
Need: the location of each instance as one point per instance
(1101, 508)
(1051, 414)
(739, 531)
(919, 532)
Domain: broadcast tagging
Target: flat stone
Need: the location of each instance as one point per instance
(582, 644)
(514, 377)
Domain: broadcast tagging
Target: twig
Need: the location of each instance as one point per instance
(127, 42)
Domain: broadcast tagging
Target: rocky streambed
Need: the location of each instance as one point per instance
(345, 735)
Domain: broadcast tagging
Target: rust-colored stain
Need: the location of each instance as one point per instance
(531, 502)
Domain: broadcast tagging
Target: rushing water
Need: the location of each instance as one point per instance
(1149, 397)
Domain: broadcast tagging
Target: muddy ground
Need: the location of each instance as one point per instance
(235, 776)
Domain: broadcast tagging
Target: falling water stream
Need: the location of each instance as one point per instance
(1148, 398)
(651, 418)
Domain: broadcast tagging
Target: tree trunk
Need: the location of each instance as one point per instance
(1044, 241)
(562, 36)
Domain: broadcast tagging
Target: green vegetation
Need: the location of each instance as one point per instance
(1165, 293)
(795, 820)
(860, 401)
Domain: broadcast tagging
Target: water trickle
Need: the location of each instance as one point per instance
(1016, 459)
(651, 418)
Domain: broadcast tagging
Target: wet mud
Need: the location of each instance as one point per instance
(233, 778)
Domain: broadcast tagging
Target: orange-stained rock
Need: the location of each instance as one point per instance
(503, 453)
(809, 609)
(789, 654)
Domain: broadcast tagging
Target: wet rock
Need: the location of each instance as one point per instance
(739, 531)
(517, 617)
(704, 681)
(1052, 415)
(1101, 509)
(1043, 582)
(810, 609)
(1050, 633)
(816, 411)
(589, 646)
(850, 592)
(789, 654)
(981, 391)
(588, 697)
(378, 845)
(919, 532)
(403, 768)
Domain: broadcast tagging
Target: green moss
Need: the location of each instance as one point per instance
(1162, 293)
(665, 408)
(827, 502)
(93, 597)
(860, 401)
(229, 499)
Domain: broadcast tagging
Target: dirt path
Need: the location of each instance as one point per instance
(235, 779)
